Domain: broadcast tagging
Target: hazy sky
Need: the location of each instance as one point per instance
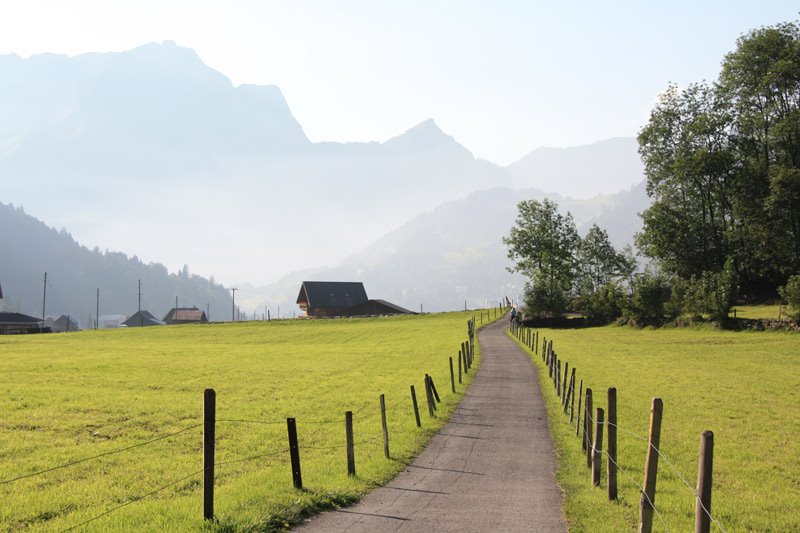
(502, 77)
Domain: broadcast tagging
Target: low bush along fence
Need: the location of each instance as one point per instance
(591, 425)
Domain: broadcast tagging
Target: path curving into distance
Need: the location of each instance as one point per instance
(491, 468)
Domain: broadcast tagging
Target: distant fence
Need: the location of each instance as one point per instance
(591, 424)
(291, 449)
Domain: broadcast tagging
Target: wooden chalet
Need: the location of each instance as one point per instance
(62, 324)
(185, 315)
(17, 323)
(342, 298)
(330, 298)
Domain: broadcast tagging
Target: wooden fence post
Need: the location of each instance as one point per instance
(702, 511)
(351, 453)
(459, 368)
(452, 377)
(435, 392)
(587, 427)
(294, 453)
(209, 433)
(416, 407)
(564, 387)
(612, 443)
(578, 423)
(597, 448)
(429, 397)
(384, 427)
(648, 500)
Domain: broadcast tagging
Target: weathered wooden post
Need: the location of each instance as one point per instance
(612, 443)
(578, 423)
(587, 428)
(294, 453)
(572, 396)
(416, 407)
(209, 432)
(702, 511)
(385, 427)
(429, 397)
(351, 453)
(648, 500)
(564, 385)
(452, 377)
(459, 368)
(597, 448)
(434, 391)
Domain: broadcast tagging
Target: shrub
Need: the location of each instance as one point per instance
(790, 293)
(646, 305)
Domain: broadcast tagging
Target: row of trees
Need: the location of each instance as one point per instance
(566, 272)
(722, 163)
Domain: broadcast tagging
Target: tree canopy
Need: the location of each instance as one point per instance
(723, 168)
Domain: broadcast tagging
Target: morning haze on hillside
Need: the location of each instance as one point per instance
(149, 153)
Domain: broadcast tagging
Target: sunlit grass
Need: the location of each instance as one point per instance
(70, 396)
(742, 386)
(759, 311)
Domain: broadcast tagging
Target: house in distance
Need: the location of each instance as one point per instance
(142, 319)
(342, 298)
(185, 315)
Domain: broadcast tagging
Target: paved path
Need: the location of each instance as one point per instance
(491, 468)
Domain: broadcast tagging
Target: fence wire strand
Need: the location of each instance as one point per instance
(134, 500)
(104, 454)
(252, 457)
(638, 485)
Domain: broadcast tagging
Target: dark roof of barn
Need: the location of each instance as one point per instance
(332, 294)
(143, 318)
(185, 314)
(376, 307)
(18, 318)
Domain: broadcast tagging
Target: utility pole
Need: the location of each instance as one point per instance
(141, 318)
(233, 304)
(44, 297)
(176, 302)
(97, 310)
(279, 312)
(208, 311)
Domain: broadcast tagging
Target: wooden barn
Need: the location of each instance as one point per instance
(342, 298)
(17, 323)
(142, 319)
(185, 315)
(330, 298)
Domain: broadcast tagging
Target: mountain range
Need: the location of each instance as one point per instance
(152, 152)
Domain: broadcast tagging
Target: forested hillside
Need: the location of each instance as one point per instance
(28, 249)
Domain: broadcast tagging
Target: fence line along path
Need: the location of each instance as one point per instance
(491, 468)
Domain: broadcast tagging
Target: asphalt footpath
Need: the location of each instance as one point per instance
(491, 468)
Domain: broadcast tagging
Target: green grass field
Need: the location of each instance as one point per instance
(760, 311)
(742, 386)
(70, 396)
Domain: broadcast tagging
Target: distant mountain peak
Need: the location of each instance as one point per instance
(427, 134)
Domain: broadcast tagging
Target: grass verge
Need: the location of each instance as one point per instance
(70, 396)
(742, 386)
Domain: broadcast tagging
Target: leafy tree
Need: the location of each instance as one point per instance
(600, 269)
(723, 169)
(543, 244)
(646, 304)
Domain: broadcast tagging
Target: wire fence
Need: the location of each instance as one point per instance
(401, 412)
(565, 389)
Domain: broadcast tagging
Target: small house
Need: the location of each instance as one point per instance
(185, 315)
(142, 319)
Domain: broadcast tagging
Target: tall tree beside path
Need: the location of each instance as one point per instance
(723, 168)
(543, 243)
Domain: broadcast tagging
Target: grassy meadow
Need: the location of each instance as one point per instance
(66, 397)
(742, 386)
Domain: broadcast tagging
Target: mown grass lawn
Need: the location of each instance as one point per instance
(69, 396)
(742, 386)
